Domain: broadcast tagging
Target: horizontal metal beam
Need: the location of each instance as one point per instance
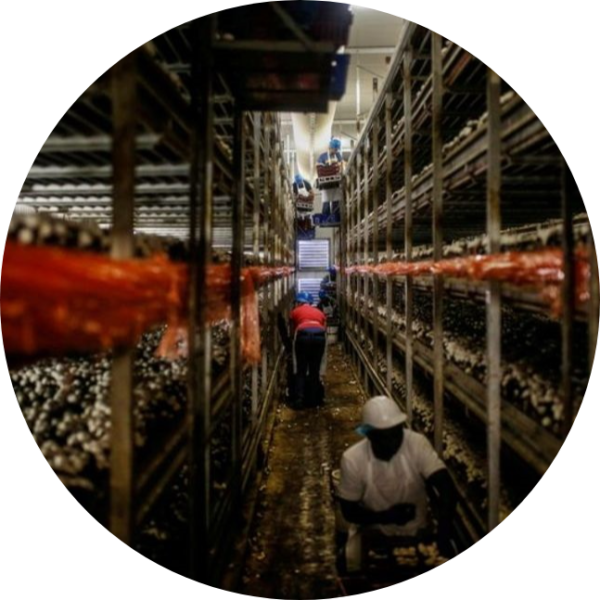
(105, 172)
(101, 201)
(369, 50)
(147, 189)
(364, 50)
(96, 143)
(335, 121)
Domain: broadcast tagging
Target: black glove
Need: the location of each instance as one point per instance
(400, 514)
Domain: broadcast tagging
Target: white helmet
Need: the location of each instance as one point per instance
(381, 412)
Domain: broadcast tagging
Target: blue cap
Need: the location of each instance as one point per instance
(298, 179)
(304, 297)
(364, 429)
(335, 143)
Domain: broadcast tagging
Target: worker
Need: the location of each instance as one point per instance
(332, 274)
(326, 304)
(332, 195)
(309, 330)
(302, 189)
(387, 479)
(333, 155)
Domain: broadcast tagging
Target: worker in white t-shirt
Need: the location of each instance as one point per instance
(388, 479)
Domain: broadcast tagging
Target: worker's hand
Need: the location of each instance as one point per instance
(400, 514)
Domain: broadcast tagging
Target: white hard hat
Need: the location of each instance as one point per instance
(381, 412)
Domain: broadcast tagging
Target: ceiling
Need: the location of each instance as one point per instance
(373, 37)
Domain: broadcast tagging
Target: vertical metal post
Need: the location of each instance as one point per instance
(351, 232)
(366, 277)
(357, 249)
(273, 251)
(408, 228)
(388, 240)
(594, 301)
(438, 284)
(256, 240)
(235, 363)
(375, 234)
(357, 100)
(200, 368)
(569, 189)
(359, 239)
(356, 211)
(123, 81)
(494, 314)
(341, 287)
(352, 248)
(266, 167)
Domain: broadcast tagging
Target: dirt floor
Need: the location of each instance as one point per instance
(292, 545)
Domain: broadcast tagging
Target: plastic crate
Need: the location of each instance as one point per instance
(339, 75)
(326, 183)
(328, 170)
(303, 206)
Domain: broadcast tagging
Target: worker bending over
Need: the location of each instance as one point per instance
(309, 330)
(388, 478)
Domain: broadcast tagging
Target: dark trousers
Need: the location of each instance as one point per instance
(309, 349)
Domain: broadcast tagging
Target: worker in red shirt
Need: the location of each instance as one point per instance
(309, 330)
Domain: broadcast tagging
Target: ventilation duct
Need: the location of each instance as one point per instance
(311, 137)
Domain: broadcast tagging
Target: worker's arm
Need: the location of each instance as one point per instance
(443, 496)
(355, 512)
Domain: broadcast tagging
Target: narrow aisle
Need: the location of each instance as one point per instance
(292, 545)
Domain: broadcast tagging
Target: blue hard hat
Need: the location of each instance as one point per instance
(335, 143)
(304, 298)
(298, 179)
(332, 270)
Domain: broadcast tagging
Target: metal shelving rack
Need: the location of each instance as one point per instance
(151, 148)
(450, 152)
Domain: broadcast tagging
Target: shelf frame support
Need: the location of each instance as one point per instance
(389, 161)
(408, 227)
(256, 238)
(493, 304)
(438, 239)
(124, 101)
(375, 154)
(199, 340)
(365, 276)
(237, 223)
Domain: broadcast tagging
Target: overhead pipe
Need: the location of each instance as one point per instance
(311, 136)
